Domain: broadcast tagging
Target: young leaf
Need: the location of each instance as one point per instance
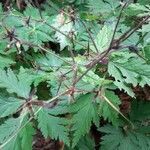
(103, 39)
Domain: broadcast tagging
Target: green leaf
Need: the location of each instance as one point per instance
(52, 126)
(19, 84)
(116, 139)
(49, 74)
(132, 71)
(49, 60)
(85, 112)
(37, 36)
(64, 26)
(145, 28)
(103, 7)
(26, 136)
(138, 7)
(86, 143)
(103, 39)
(119, 80)
(12, 21)
(23, 140)
(106, 110)
(143, 2)
(147, 52)
(14, 144)
(5, 62)
(90, 81)
(83, 119)
(9, 129)
(137, 10)
(1, 9)
(9, 105)
(32, 12)
(63, 107)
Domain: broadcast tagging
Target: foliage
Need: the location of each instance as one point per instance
(53, 126)
(61, 67)
(123, 138)
(129, 70)
(116, 139)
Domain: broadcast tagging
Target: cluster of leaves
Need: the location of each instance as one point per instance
(60, 65)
